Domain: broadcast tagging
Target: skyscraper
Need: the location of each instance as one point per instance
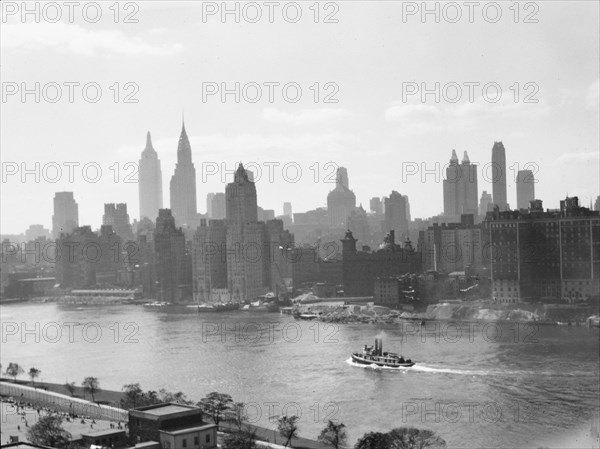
(215, 206)
(116, 215)
(376, 206)
(460, 187)
(246, 276)
(396, 217)
(240, 199)
(499, 176)
(525, 188)
(209, 261)
(485, 203)
(183, 184)
(209, 200)
(173, 262)
(341, 200)
(287, 209)
(66, 214)
(150, 182)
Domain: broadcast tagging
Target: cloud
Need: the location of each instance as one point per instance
(578, 158)
(73, 38)
(305, 116)
(415, 117)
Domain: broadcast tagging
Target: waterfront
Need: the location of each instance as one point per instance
(473, 388)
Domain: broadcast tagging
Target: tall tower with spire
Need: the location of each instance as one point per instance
(150, 182)
(499, 176)
(183, 184)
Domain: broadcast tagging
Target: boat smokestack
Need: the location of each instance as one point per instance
(378, 347)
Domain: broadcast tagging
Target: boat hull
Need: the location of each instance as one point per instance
(359, 359)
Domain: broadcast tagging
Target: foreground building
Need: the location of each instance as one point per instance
(551, 256)
(173, 426)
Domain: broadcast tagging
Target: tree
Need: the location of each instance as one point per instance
(70, 386)
(237, 415)
(167, 396)
(48, 431)
(33, 373)
(14, 370)
(374, 440)
(216, 405)
(288, 428)
(133, 397)
(91, 385)
(240, 440)
(412, 438)
(333, 435)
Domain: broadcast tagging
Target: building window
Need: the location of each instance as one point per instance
(184, 442)
(208, 437)
(196, 441)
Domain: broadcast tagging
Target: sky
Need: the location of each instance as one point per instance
(354, 75)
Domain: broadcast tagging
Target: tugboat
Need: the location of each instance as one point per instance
(375, 355)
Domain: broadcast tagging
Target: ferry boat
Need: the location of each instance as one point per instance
(375, 355)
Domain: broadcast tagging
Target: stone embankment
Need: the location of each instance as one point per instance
(458, 311)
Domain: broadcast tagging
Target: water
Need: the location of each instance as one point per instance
(475, 388)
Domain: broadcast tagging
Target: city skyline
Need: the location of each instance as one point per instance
(370, 130)
(453, 178)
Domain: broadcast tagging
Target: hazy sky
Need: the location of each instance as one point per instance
(367, 57)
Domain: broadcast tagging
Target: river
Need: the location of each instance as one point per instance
(475, 385)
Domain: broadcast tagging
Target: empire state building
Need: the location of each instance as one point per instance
(183, 184)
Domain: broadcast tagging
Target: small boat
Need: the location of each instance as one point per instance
(375, 356)
(157, 304)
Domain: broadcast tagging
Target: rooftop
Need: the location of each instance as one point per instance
(186, 430)
(25, 445)
(165, 409)
(104, 432)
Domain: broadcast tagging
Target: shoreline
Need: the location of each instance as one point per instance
(395, 318)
